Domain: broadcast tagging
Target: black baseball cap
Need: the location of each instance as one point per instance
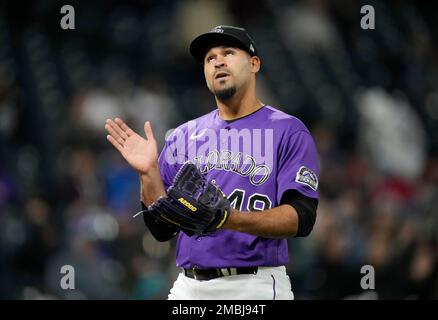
(222, 35)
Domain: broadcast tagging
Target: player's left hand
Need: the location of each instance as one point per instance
(193, 204)
(140, 153)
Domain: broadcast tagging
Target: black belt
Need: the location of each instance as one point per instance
(208, 274)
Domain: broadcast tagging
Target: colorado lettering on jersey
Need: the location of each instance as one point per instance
(244, 165)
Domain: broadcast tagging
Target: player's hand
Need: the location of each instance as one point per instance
(193, 204)
(141, 153)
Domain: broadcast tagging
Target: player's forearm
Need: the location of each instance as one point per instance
(279, 222)
(151, 186)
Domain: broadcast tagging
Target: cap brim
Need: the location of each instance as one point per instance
(203, 43)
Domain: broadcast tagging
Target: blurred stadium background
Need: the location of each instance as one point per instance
(370, 98)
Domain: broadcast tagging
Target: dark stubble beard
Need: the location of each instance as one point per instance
(225, 94)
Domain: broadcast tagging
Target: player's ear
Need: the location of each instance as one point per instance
(255, 64)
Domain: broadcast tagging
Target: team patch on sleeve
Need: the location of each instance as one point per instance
(307, 177)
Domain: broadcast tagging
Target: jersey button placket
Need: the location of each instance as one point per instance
(223, 141)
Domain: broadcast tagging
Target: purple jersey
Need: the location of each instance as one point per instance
(254, 160)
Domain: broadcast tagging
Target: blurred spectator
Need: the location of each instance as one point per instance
(392, 134)
(192, 16)
(306, 26)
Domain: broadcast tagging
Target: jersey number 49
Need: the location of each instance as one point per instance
(256, 202)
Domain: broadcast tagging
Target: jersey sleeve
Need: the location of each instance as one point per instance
(298, 165)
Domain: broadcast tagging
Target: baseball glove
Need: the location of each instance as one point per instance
(193, 204)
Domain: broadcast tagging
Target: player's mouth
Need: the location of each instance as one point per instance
(221, 75)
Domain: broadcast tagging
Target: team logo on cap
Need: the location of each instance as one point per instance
(307, 177)
(217, 29)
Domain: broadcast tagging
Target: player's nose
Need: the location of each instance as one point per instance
(220, 63)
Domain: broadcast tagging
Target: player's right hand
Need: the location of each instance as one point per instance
(141, 153)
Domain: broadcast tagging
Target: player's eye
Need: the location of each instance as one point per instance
(229, 52)
(209, 58)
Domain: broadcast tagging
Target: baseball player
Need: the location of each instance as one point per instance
(262, 159)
